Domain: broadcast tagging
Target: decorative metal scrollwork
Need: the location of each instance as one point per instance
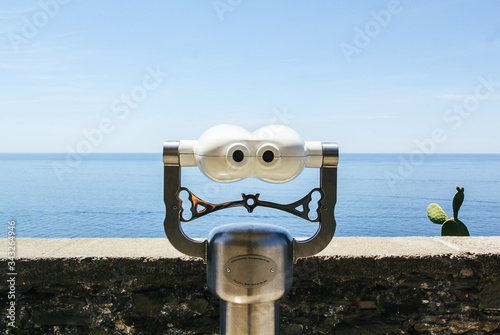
(298, 208)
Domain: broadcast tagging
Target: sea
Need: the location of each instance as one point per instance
(121, 195)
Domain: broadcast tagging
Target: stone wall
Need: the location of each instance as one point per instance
(409, 285)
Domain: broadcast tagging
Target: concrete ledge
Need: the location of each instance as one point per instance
(358, 285)
(35, 248)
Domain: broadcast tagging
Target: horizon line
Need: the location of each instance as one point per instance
(161, 152)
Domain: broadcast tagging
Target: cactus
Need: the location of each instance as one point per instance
(453, 226)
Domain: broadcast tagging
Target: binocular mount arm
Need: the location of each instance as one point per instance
(301, 248)
(171, 188)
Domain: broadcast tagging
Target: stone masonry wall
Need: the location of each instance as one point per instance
(454, 288)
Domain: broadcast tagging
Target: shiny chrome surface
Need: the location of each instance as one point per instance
(254, 319)
(250, 268)
(327, 224)
(258, 258)
(171, 153)
(330, 155)
(172, 225)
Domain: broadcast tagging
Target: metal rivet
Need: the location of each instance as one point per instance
(174, 207)
(272, 269)
(325, 208)
(228, 270)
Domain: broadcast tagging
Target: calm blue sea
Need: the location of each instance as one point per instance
(121, 195)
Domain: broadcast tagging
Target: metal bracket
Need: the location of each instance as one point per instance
(327, 224)
(172, 224)
(302, 248)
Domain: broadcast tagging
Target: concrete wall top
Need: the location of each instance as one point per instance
(33, 248)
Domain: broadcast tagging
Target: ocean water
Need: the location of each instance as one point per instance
(121, 195)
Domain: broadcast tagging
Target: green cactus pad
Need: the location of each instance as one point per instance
(458, 199)
(454, 228)
(462, 229)
(436, 214)
(449, 228)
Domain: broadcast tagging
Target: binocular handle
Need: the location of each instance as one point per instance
(172, 223)
(327, 224)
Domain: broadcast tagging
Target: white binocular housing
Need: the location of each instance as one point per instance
(227, 153)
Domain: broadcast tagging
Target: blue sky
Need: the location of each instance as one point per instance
(374, 76)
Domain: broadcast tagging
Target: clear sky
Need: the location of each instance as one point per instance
(374, 76)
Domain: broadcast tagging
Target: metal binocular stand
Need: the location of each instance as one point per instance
(250, 266)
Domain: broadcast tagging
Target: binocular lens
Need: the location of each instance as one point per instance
(238, 156)
(268, 156)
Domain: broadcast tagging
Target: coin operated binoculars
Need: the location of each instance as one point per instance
(250, 266)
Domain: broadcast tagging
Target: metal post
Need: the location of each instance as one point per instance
(250, 268)
(255, 319)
